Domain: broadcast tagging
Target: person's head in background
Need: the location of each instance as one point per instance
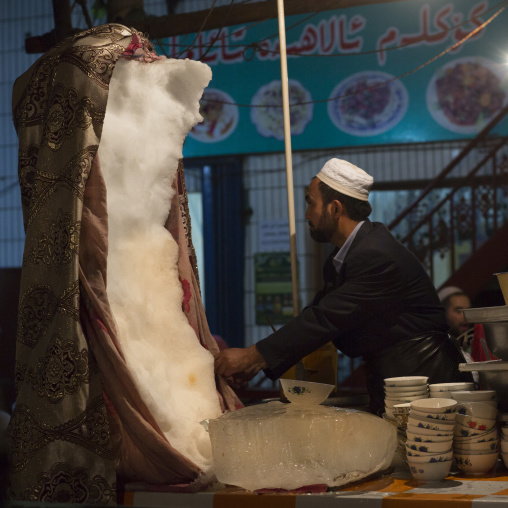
(453, 299)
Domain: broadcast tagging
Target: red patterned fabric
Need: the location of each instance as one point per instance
(479, 345)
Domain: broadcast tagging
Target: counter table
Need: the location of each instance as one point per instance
(397, 490)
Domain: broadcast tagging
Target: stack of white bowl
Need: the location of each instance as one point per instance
(430, 437)
(400, 390)
(444, 390)
(485, 396)
(504, 444)
(475, 441)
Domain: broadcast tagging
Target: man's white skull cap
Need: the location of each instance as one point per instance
(346, 178)
(447, 291)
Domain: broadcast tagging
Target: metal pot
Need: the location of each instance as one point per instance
(498, 381)
(496, 335)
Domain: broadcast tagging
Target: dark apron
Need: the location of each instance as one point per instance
(435, 354)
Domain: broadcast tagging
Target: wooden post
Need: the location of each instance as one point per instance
(287, 149)
(299, 372)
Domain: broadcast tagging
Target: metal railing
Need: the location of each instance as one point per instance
(461, 208)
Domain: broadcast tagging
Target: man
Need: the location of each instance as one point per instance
(378, 302)
(453, 300)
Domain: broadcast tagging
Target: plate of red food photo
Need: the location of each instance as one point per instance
(220, 117)
(466, 93)
(368, 103)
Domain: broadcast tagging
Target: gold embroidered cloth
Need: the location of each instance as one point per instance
(79, 416)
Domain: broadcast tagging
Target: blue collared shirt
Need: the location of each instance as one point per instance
(338, 259)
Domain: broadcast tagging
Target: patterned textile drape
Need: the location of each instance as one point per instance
(59, 433)
(178, 224)
(79, 416)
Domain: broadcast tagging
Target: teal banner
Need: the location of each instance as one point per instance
(409, 71)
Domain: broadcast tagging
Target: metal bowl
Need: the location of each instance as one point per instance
(496, 335)
(498, 381)
(486, 314)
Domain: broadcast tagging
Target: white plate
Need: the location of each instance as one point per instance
(448, 387)
(368, 103)
(474, 395)
(406, 381)
(266, 113)
(435, 405)
(220, 117)
(405, 407)
(412, 393)
(483, 79)
(393, 402)
(440, 395)
(409, 398)
(401, 390)
(486, 314)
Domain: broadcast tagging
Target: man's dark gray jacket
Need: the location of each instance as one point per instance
(382, 306)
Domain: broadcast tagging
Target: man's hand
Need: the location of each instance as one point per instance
(239, 362)
(241, 381)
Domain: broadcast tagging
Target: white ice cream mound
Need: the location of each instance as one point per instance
(151, 108)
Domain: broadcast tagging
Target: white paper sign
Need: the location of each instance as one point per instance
(274, 236)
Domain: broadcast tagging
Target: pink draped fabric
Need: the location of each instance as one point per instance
(144, 452)
(178, 224)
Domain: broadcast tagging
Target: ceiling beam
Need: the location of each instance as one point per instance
(160, 27)
(166, 26)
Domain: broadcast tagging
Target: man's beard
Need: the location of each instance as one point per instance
(323, 232)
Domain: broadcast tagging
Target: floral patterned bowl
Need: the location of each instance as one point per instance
(450, 387)
(467, 431)
(391, 402)
(428, 438)
(475, 422)
(435, 405)
(476, 463)
(431, 424)
(483, 437)
(428, 432)
(444, 417)
(430, 457)
(406, 381)
(305, 392)
(474, 395)
(476, 447)
(400, 391)
(429, 471)
(417, 446)
(479, 409)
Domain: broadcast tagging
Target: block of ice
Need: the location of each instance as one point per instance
(278, 445)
